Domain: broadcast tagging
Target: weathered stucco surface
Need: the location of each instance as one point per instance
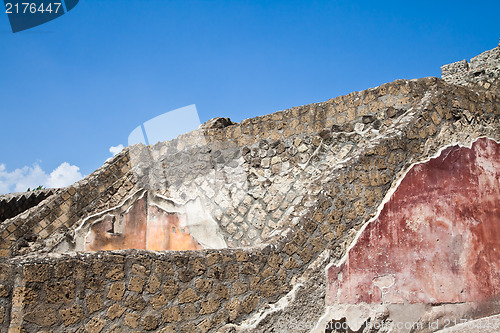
(436, 240)
(267, 207)
(147, 226)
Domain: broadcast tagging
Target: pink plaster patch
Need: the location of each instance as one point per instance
(142, 228)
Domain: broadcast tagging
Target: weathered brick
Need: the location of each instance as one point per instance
(72, 315)
(116, 291)
(209, 306)
(115, 311)
(131, 320)
(172, 314)
(188, 296)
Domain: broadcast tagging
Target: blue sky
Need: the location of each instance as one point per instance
(74, 87)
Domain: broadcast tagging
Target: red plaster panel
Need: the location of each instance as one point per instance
(155, 230)
(128, 232)
(168, 231)
(436, 240)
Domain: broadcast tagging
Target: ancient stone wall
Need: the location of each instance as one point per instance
(310, 178)
(14, 204)
(432, 244)
(251, 176)
(275, 158)
(132, 290)
(346, 196)
(53, 218)
(482, 69)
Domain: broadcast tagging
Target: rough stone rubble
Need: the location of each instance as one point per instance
(289, 193)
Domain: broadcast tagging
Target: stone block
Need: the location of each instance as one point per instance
(37, 273)
(250, 303)
(239, 288)
(270, 287)
(189, 311)
(291, 264)
(204, 285)
(116, 291)
(241, 256)
(136, 284)
(172, 314)
(209, 306)
(72, 315)
(221, 291)
(115, 311)
(95, 325)
(233, 308)
(42, 316)
(150, 322)
(164, 268)
(188, 296)
(94, 302)
(232, 272)
(131, 320)
(290, 248)
(153, 285)
(115, 273)
(135, 302)
(249, 268)
(60, 291)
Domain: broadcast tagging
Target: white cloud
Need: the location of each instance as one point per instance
(21, 179)
(115, 150)
(64, 175)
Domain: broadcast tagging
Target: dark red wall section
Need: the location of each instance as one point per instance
(437, 239)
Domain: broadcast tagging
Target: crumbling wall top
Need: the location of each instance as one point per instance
(483, 67)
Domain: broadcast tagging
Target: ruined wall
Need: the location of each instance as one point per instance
(433, 243)
(443, 218)
(347, 195)
(135, 290)
(150, 222)
(14, 204)
(274, 158)
(53, 218)
(251, 176)
(482, 71)
(316, 174)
